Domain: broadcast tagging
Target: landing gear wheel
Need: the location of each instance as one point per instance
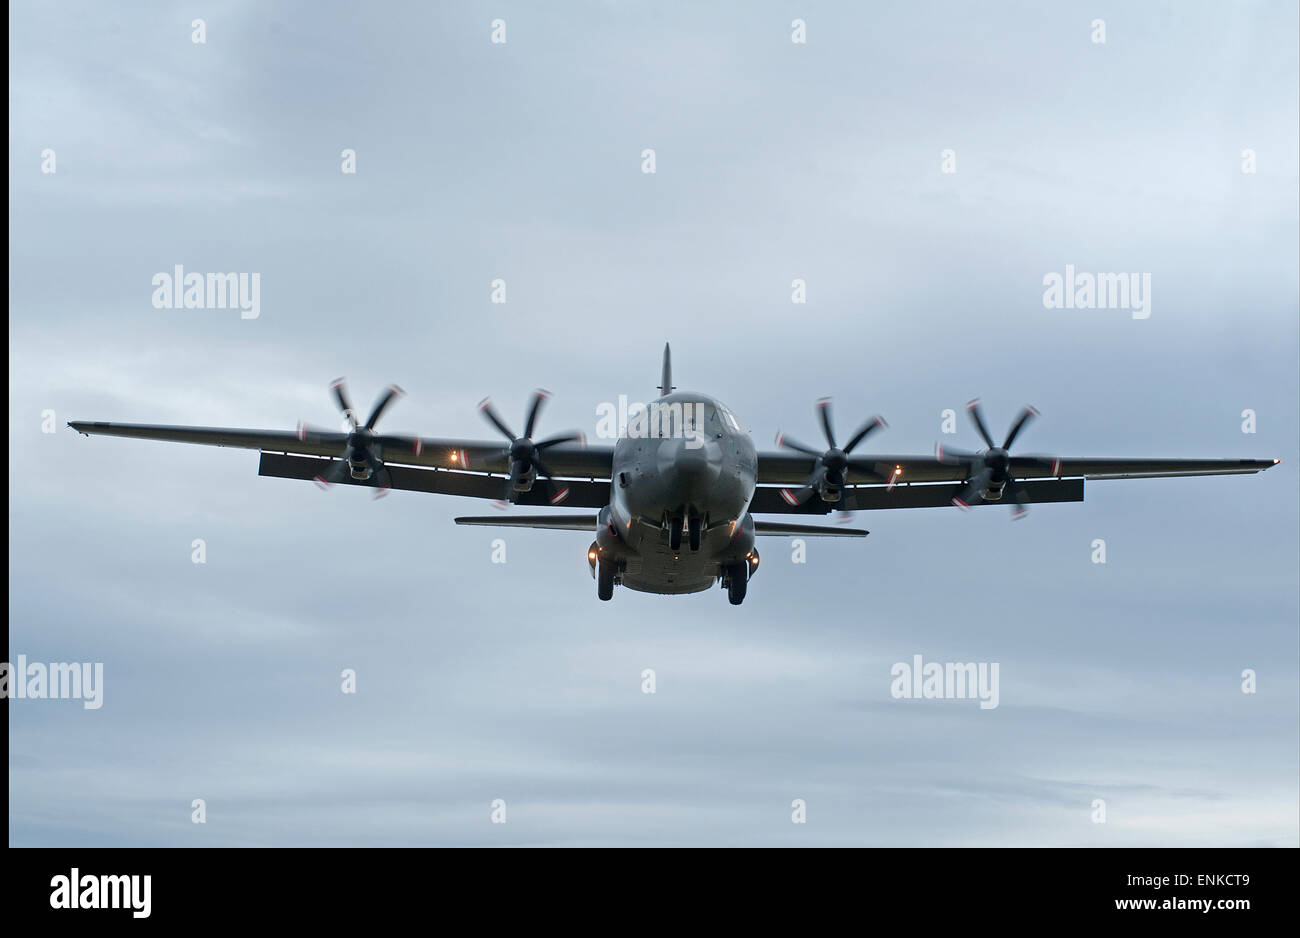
(738, 583)
(605, 580)
(694, 527)
(675, 534)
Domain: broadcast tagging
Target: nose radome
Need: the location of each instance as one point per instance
(688, 465)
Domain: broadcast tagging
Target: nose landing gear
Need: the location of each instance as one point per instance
(694, 527)
(675, 533)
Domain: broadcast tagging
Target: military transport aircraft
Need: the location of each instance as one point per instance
(678, 493)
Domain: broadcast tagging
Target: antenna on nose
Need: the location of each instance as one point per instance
(666, 385)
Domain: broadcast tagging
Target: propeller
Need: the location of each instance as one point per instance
(994, 468)
(830, 471)
(523, 454)
(360, 456)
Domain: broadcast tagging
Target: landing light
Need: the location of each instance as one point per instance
(591, 555)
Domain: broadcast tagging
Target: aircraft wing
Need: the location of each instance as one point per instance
(566, 460)
(314, 443)
(787, 468)
(930, 482)
(470, 468)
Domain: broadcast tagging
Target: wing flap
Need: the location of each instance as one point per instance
(880, 497)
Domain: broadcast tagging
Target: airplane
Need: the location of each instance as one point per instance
(677, 493)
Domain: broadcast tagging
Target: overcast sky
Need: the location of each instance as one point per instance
(775, 161)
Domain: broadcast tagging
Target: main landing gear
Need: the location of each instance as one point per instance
(735, 578)
(605, 570)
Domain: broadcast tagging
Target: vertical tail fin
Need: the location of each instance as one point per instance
(666, 382)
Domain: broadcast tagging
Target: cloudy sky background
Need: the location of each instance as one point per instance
(775, 161)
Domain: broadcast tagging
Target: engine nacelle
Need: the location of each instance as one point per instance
(525, 480)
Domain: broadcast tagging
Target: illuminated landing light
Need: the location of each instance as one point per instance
(591, 555)
(893, 478)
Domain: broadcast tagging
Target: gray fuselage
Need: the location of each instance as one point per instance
(688, 460)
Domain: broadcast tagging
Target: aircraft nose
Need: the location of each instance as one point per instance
(690, 467)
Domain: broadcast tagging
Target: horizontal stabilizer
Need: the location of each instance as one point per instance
(780, 528)
(552, 522)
